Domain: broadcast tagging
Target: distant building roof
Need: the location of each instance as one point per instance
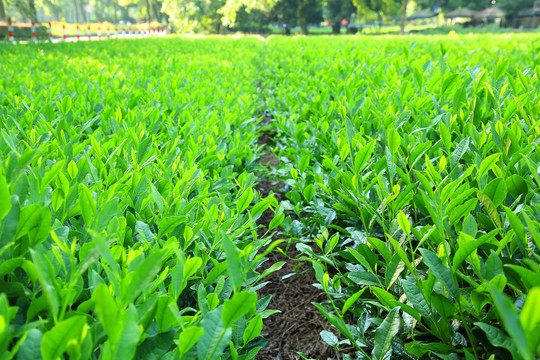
(490, 13)
(461, 13)
(422, 14)
(535, 11)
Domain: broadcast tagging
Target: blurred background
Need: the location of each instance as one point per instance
(275, 16)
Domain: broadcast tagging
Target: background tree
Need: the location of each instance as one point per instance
(26, 8)
(2, 11)
(252, 21)
(55, 8)
(378, 9)
(210, 15)
(148, 12)
(315, 12)
(338, 10)
(78, 12)
(308, 12)
(285, 13)
(512, 7)
(403, 17)
(231, 8)
(386, 7)
(195, 15)
(32, 13)
(301, 13)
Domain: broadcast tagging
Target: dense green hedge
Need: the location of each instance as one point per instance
(24, 33)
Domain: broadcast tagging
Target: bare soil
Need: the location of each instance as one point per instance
(296, 328)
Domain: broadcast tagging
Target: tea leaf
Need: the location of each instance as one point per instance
(441, 272)
(462, 210)
(511, 322)
(127, 345)
(5, 198)
(253, 329)
(88, 205)
(384, 335)
(459, 151)
(30, 348)
(65, 334)
(215, 338)
(244, 200)
(351, 300)
(155, 347)
(404, 223)
(309, 192)
(529, 318)
(496, 191)
(143, 275)
(188, 338)
(394, 140)
(234, 266)
(329, 338)
(497, 338)
(107, 312)
(236, 307)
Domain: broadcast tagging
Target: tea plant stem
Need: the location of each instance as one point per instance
(458, 302)
(217, 343)
(338, 313)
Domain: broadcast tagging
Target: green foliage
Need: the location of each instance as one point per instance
(209, 16)
(412, 167)
(128, 195)
(127, 201)
(377, 7)
(337, 10)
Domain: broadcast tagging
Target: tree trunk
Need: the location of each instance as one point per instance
(115, 13)
(301, 14)
(336, 28)
(98, 11)
(77, 11)
(32, 10)
(148, 12)
(56, 11)
(303, 27)
(125, 13)
(403, 17)
(2, 11)
(157, 11)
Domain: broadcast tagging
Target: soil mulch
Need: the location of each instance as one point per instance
(269, 159)
(297, 327)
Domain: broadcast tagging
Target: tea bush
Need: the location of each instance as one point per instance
(126, 190)
(128, 205)
(412, 167)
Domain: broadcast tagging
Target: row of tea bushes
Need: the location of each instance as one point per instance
(127, 224)
(412, 167)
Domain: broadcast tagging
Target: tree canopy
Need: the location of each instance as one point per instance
(213, 16)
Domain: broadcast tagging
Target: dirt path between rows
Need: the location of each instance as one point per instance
(296, 328)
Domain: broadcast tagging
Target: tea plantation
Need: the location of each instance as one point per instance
(405, 171)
